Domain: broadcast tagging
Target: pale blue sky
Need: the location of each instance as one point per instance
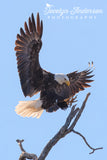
(68, 45)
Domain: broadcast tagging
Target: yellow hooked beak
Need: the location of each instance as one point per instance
(68, 83)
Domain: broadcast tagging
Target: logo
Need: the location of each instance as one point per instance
(75, 12)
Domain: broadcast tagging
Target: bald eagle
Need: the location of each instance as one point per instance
(55, 89)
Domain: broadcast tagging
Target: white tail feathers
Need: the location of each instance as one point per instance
(29, 108)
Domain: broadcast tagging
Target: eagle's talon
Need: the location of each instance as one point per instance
(71, 100)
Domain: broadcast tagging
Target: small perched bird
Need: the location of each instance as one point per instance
(55, 90)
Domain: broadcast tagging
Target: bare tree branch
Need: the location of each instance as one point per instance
(24, 154)
(93, 149)
(20, 144)
(59, 135)
(68, 127)
(78, 115)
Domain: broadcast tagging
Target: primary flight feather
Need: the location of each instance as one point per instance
(55, 89)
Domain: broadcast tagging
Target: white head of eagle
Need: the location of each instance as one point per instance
(34, 79)
(62, 78)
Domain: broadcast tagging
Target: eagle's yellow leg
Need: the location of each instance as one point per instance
(70, 100)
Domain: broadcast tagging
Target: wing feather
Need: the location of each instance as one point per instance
(22, 32)
(20, 38)
(30, 25)
(19, 43)
(28, 45)
(26, 28)
(33, 23)
(79, 80)
(39, 26)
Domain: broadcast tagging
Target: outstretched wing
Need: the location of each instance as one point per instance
(79, 80)
(28, 45)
